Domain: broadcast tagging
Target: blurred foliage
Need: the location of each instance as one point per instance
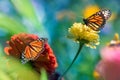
(11, 24)
(52, 18)
(12, 70)
(25, 8)
(43, 75)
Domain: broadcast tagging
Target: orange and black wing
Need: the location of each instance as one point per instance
(33, 50)
(97, 20)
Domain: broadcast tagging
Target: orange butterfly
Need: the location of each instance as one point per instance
(97, 20)
(33, 50)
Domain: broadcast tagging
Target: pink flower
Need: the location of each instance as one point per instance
(109, 66)
(111, 53)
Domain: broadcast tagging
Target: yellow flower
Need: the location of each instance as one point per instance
(115, 41)
(97, 76)
(82, 33)
(89, 10)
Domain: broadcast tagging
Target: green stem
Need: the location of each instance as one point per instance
(79, 49)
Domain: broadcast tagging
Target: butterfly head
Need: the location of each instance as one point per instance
(85, 21)
(43, 39)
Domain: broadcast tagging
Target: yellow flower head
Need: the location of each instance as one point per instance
(82, 33)
(115, 41)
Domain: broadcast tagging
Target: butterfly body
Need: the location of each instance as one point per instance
(33, 50)
(97, 20)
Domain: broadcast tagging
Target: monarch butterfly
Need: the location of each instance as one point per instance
(33, 50)
(97, 20)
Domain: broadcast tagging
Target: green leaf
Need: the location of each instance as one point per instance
(26, 9)
(3, 76)
(11, 25)
(1, 50)
(43, 75)
(12, 69)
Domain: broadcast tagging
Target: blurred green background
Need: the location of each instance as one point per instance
(51, 19)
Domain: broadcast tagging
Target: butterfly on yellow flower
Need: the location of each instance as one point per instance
(98, 20)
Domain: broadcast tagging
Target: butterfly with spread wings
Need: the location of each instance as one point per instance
(33, 50)
(98, 20)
